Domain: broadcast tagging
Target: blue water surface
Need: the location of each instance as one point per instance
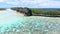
(10, 22)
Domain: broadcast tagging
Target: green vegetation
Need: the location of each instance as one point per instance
(41, 12)
(2, 8)
(36, 11)
(49, 12)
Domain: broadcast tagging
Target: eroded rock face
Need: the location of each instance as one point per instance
(25, 11)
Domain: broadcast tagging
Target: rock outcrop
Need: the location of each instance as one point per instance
(24, 10)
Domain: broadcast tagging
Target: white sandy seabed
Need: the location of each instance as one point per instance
(13, 23)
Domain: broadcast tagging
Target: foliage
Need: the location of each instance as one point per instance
(41, 11)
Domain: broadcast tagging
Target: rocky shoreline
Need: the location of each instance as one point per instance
(46, 15)
(27, 12)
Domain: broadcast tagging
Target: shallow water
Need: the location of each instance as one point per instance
(12, 23)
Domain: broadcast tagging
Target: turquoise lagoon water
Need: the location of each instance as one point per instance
(10, 22)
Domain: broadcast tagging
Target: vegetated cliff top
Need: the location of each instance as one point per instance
(2, 8)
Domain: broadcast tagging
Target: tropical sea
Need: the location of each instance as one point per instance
(12, 23)
(50, 8)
